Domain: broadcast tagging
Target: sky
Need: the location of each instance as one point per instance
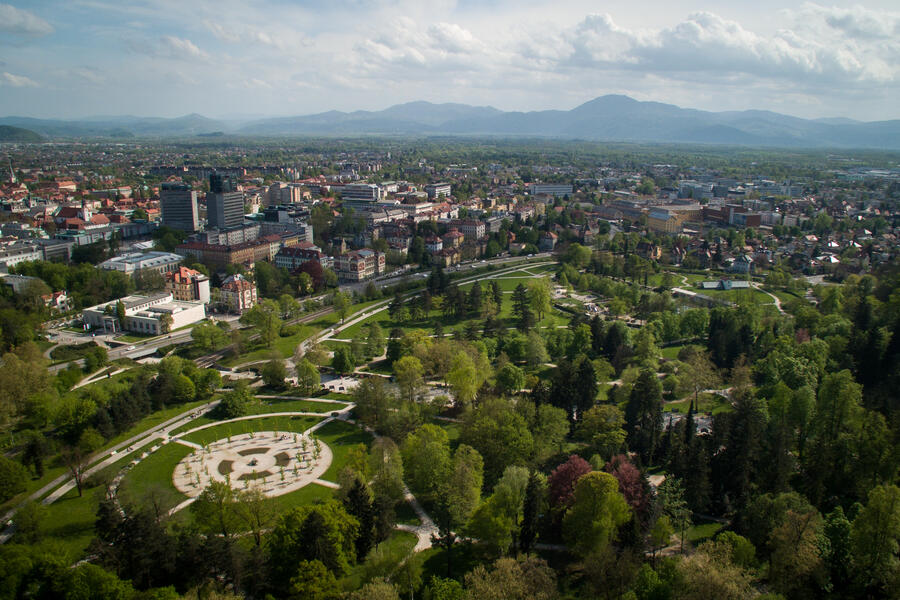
(240, 59)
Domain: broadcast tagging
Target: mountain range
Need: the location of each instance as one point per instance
(607, 118)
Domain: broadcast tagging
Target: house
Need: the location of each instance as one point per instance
(742, 264)
(238, 294)
(547, 241)
(452, 239)
(359, 265)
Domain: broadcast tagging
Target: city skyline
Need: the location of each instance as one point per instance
(225, 60)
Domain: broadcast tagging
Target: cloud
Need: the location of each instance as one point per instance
(169, 46)
(22, 22)
(181, 47)
(709, 44)
(17, 81)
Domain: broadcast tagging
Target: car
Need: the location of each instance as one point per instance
(131, 347)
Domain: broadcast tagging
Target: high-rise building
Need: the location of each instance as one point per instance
(224, 203)
(179, 206)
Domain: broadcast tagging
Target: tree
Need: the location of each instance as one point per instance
(323, 532)
(539, 295)
(535, 350)
(461, 492)
(510, 379)
(701, 375)
(795, 565)
(643, 415)
(341, 303)
(209, 337)
(531, 511)
(77, 457)
(496, 522)
(236, 402)
(463, 379)
(314, 581)
(343, 361)
(499, 434)
(601, 427)
(274, 373)
(264, 316)
(528, 578)
(631, 484)
(120, 314)
(307, 377)
(561, 483)
(670, 495)
(358, 503)
(165, 323)
(12, 478)
(596, 513)
(214, 510)
(875, 536)
(426, 460)
(29, 521)
(409, 373)
(256, 511)
(710, 573)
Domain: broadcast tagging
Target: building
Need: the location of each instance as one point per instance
(178, 202)
(151, 315)
(291, 258)
(437, 190)
(20, 252)
(224, 203)
(220, 255)
(161, 262)
(547, 241)
(470, 228)
(550, 189)
(188, 285)
(359, 265)
(361, 195)
(238, 294)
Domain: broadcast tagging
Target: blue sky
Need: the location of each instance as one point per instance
(74, 58)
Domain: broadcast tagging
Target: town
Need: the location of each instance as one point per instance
(448, 368)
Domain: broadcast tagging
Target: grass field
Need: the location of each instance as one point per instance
(153, 476)
(340, 437)
(218, 432)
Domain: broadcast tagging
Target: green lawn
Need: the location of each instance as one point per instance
(218, 432)
(340, 437)
(671, 352)
(69, 522)
(702, 532)
(153, 476)
(708, 403)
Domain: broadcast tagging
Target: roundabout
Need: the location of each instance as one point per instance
(275, 462)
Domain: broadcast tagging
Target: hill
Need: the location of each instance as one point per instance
(18, 134)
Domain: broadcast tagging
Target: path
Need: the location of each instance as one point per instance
(758, 286)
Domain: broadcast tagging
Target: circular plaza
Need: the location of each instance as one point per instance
(275, 462)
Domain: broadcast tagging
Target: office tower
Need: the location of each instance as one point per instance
(224, 205)
(178, 203)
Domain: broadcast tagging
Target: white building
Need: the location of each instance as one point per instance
(161, 262)
(144, 314)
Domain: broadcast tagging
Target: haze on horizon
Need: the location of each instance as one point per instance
(223, 58)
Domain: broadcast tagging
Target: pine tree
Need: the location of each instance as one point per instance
(531, 509)
(359, 504)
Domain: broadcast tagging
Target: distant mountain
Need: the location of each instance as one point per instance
(18, 134)
(115, 127)
(607, 118)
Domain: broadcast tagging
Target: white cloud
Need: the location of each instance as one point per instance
(17, 81)
(22, 22)
(181, 48)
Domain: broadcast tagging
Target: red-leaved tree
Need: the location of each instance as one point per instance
(631, 484)
(561, 483)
